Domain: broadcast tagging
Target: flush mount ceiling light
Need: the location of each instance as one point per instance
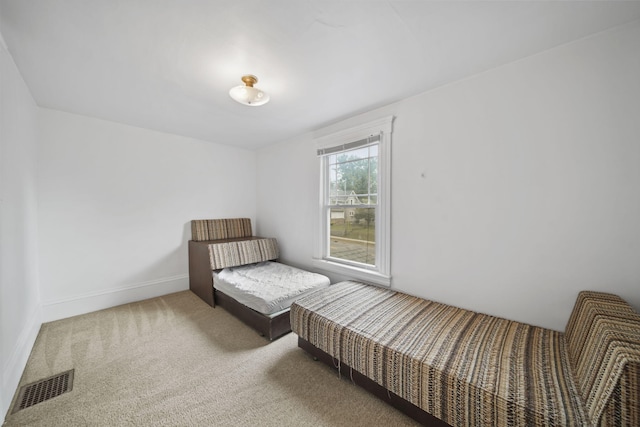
(247, 94)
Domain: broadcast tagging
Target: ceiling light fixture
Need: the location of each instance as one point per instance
(247, 94)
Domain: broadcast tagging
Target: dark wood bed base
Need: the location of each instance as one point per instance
(269, 327)
(201, 284)
(373, 387)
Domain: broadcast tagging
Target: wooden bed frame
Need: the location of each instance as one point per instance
(201, 284)
(373, 387)
(269, 327)
(200, 272)
(219, 232)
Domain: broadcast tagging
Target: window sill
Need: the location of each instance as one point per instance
(353, 272)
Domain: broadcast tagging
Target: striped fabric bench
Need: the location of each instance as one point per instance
(471, 369)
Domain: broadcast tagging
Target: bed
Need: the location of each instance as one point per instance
(231, 268)
(444, 365)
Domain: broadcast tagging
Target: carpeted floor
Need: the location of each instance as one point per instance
(175, 361)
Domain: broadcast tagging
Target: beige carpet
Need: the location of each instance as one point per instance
(176, 361)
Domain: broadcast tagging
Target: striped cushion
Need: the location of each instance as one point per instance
(603, 340)
(463, 367)
(623, 408)
(216, 229)
(233, 254)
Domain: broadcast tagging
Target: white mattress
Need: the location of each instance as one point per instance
(267, 287)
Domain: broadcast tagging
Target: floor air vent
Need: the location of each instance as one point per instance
(39, 391)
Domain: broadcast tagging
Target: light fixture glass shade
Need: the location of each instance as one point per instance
(247, 94)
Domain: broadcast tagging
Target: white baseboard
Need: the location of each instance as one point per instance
(86, 303)
(12, 370)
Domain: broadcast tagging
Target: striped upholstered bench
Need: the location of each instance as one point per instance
(442, 364)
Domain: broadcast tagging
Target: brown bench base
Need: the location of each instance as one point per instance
(373, 387)
(269, 327)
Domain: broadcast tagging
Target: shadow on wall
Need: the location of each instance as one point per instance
(186, 234)
(170, 266)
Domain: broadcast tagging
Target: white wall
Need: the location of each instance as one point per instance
(531, 187)
(20, 316)
(115, 203)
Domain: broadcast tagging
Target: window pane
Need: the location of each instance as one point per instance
(353, 176)
(358, 153)
(333, 182)
(373, 175)
(353, 234)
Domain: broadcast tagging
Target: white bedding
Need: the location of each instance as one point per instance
(267, 287)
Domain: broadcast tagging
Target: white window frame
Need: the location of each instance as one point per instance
(380, 273)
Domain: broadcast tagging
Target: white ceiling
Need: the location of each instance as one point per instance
(168, 64)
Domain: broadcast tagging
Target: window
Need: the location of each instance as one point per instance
(353, 225)
(353, 180)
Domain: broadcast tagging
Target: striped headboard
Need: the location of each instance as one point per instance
(216, 229)
(230, 242)
(233, 254)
